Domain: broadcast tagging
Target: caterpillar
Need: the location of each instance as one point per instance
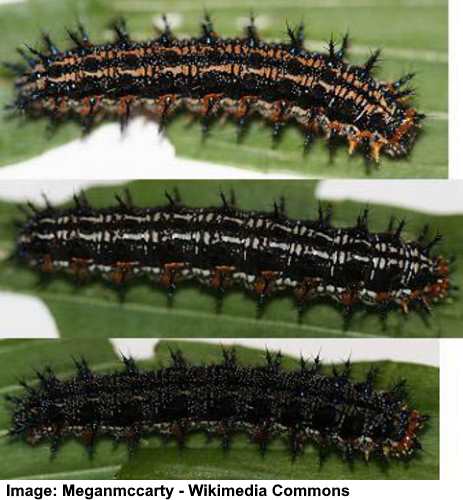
(223, 247)
(210, 76)
(264, 401)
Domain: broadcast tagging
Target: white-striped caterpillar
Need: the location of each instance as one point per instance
(221, 247)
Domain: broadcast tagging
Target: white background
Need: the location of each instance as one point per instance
(359, 490)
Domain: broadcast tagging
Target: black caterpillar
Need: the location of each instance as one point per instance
(264, 252)
(210, 75)
(302, 406)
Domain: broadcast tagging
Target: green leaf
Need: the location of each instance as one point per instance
(412, 39)
(95, 309)
(199, 460)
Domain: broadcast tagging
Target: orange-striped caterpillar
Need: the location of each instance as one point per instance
(210, 75)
